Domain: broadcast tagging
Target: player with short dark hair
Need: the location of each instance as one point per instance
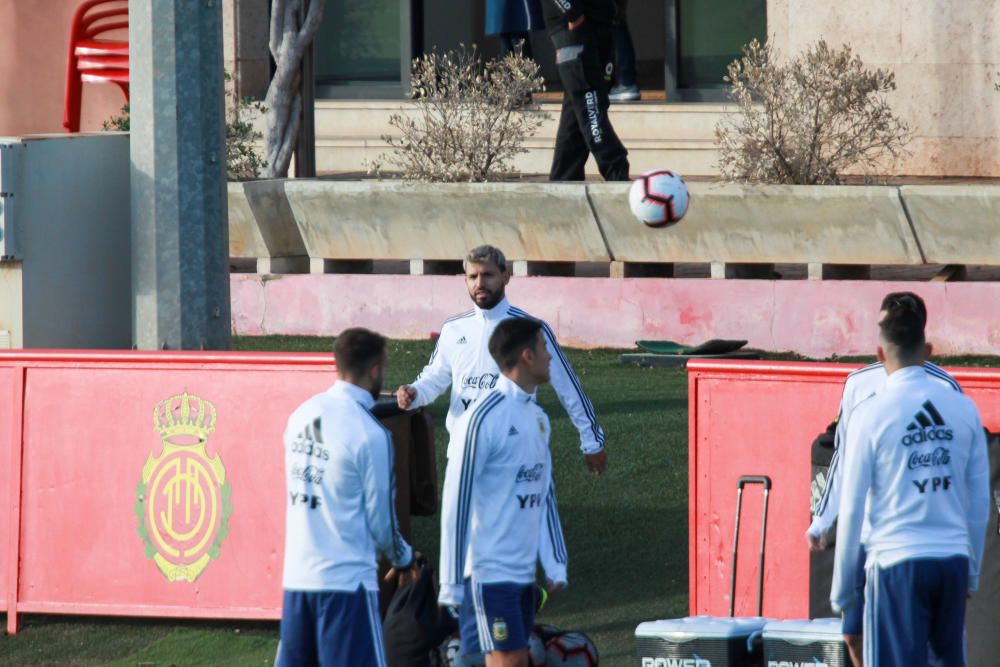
(340, 511)
(915, 466)
(860, 385)
(461, 358)
(498, 512)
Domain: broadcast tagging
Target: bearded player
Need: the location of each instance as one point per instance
(462, 360)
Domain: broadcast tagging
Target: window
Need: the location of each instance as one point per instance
(363, 49)
(703, 37)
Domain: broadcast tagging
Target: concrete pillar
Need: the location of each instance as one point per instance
(180, 236)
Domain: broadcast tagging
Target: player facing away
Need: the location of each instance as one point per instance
(461, 358)
(340, 511)
(498, 514)
(915, 463)
(860, 385)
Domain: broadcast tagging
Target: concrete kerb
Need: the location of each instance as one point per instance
(956, 224)
(762, 224)
(398, 220)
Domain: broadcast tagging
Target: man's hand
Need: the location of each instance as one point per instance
(409, 575)
(597, 462)
(573, 25)
(554, 586)
(817, 543)
(405, 396)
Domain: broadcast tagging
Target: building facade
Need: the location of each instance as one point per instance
(945, 56)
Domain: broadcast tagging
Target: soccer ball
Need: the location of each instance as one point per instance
(659, 198)
(571, 649)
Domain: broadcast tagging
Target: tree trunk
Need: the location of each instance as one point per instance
(293, 26)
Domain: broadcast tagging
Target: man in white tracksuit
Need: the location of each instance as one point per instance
(340, 510)
(915, 456)
(461, 358)
(498, 513)
(860, 385)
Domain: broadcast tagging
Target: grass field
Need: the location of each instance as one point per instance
(626, 532)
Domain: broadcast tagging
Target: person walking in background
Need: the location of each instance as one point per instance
(340, 511)
(916, 468)
(626, 88)
(582, 33)
(513, 21)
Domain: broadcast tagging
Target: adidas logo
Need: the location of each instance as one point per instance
(927, 426)
(462, 341)
(513, 431)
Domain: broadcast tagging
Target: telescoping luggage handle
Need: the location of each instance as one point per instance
(765, 481)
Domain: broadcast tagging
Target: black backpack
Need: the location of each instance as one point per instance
(414, 625)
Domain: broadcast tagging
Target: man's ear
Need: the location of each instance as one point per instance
(528, 356)
(928, 350)
(880, 353)
(506, 276)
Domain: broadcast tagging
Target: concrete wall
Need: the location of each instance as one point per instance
(245, 27)
(817, 319)
(945, 55)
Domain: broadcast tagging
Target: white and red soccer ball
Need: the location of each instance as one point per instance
(659, 198)
(570, 649)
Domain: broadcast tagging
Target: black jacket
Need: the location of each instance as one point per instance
(560, 12)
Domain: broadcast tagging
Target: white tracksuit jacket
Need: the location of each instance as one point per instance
(462, 360)
(341, 492)
(916, 453)
(860, 385)
(499, 514)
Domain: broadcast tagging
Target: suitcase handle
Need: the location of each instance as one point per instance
(755, 479)
(744, 480)
(754, 636)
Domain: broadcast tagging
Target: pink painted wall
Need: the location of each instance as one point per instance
(33, 52)
(814, 318)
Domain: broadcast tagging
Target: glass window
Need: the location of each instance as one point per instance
(711, 34)
(358, 41)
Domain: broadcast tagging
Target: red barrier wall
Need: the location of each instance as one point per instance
(147, 483)
(759, 418)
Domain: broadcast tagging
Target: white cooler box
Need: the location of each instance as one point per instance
(699, 641)
(816, 643)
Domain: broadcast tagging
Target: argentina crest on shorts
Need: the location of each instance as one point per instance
(499, 629)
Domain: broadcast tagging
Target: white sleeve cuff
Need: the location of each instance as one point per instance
(451, 595)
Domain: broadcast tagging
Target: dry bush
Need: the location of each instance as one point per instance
(807, 120)
(470, 118)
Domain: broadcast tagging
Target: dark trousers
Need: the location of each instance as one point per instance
(584, 59)
(624, 49)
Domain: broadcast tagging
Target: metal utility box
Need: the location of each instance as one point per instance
(65, 244)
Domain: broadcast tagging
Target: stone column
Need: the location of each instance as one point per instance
(180, 236)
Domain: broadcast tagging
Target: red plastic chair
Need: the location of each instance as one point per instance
(93, 56)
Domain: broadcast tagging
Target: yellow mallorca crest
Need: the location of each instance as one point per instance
(183, 499)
